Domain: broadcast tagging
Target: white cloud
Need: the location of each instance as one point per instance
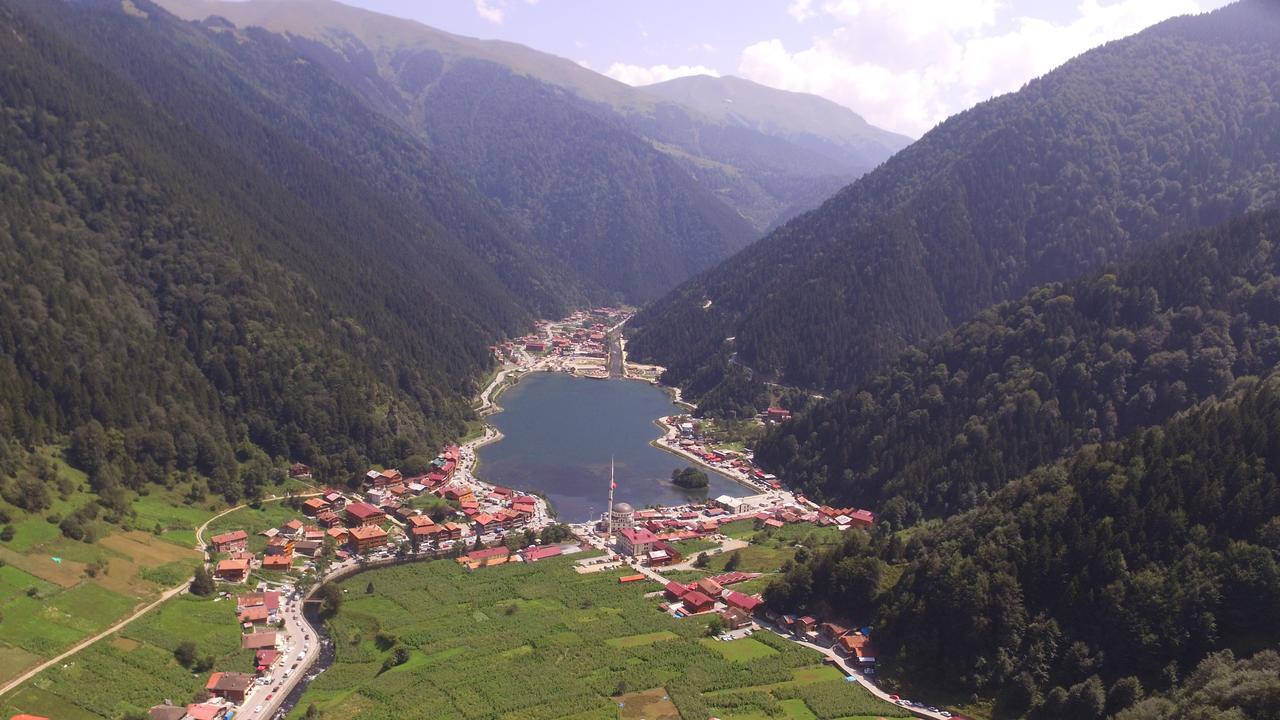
(491, 10)
(636, 75)
(909, 64)
(801, 10)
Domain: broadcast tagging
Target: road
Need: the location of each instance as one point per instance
(166, 595)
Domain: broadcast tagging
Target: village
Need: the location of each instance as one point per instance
(445, 512)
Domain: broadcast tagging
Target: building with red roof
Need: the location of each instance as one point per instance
(696, 602)
(362, 513)
(540, 553)
(742, 601)
(367, 537)
(232, 570)
(233, 686)
(636, 542)
(230, 541)
(485, 558)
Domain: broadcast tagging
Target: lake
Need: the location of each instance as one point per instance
(560, 431)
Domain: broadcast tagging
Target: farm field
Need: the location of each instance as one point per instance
(135, 668)
(60, 591)
(541, 641)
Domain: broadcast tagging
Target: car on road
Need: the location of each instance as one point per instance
(258, 709)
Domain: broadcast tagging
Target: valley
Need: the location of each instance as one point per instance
(512, 360)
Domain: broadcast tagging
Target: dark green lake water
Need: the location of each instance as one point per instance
(560, 432)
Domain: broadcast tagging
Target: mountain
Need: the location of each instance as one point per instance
(809, 121)
(1071, 589)
(411, 72)
(211, 260)
(1174, 128)
(950, 422)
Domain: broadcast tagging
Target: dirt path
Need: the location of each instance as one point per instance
(166, 595)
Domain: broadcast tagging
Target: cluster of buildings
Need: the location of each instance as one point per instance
(577, 344)
(712, 594)
(696, 439)
(259, 615)
(853, 643)
(285, 545)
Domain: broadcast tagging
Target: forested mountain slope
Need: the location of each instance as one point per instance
(830, 130)
(1130, 561)
(685, 170)
(1095, 359)
(1175, 128)
(173, 305)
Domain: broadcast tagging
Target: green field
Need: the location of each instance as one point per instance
(541, 641)
(740, 650)
(135, 669)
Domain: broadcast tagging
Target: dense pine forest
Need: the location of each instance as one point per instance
(1073, 587)
(1175, 128)
(179, 301)
(1069, 364)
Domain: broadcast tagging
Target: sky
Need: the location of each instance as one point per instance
(904, 65)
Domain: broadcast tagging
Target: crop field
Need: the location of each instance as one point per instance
(48, 605)
(135, 669)
(541, 641)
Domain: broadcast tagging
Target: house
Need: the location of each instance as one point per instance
(367, 537)
(735, 618)
(259, 641)
(231, 541)
(308, 548)
(674, 590)
(339, 534)
(709, 587)
(359, 514)
(697, 602)
(416, 521)
(252, 615)
(636, 542)
(279, 563)
(383, 478)
(862, 518)
(268, 601)
(299, 470)
(157, 712)
(746, 603)
(328, 518)
(314, 506)
(265, 658)
(857, 645)
(485, 558)
(804, 625)
(831, 632)
(232, 570)
(777, 414)
(535, 554)
(233, 686)
(280, 545)
(336, 500)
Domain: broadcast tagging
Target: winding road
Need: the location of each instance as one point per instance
(166, 595)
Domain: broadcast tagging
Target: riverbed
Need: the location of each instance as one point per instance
(559, 433)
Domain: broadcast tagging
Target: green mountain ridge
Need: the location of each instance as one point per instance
(764, 177)
(1172, 129)
(951, 421)
(192, 287)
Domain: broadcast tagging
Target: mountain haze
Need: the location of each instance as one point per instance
(1177, 127)
(763, 175)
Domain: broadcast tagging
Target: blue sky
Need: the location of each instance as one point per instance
(903, 64)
